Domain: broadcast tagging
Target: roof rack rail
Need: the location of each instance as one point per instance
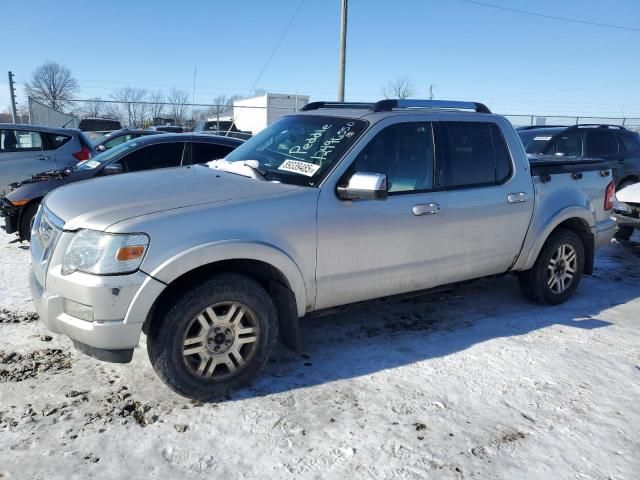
(317, 105)
(597, 125)
(534, 127)
(388, 105)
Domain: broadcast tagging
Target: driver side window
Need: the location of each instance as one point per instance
(404, 153)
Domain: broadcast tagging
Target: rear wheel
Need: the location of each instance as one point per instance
(558, 270)
(216, 338)
(27, 220)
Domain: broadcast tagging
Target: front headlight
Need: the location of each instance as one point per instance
(104, 253)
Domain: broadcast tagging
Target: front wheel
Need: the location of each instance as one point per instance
(558, 269)
(215, 338)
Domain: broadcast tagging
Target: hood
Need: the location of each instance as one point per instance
(101, 202)
(630, 194)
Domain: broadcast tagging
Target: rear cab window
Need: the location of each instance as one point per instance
(471, 154)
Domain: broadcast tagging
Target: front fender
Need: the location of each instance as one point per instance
(538, 234)
(218, 251)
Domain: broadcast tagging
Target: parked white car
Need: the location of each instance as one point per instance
(627, 211)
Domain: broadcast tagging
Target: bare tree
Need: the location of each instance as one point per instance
(177, 100)
(53, 84)
(132, 108)
(94, 107)
(220, 107)
(399, 88)
(156, 104)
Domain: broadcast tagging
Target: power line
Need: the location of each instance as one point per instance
(552, 17)
(275, 49)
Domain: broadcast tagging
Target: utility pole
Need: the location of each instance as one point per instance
(343, 51)
(431, 91)
(12, 93)
(193, 97)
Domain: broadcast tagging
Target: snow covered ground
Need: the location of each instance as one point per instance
(471, 383)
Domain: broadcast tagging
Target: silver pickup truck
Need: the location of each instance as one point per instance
(336, 204)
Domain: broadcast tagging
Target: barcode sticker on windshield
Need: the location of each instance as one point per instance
(296, 166)
(542, 138)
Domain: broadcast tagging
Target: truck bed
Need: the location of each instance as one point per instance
(550, 164)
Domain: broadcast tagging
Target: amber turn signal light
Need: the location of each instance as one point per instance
(129, 253)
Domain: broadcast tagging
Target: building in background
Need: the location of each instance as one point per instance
(255, 113)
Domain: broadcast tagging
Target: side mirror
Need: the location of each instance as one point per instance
(364, 186)
(113, 169)
(101, 148)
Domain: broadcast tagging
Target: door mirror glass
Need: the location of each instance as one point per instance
(113, 169)
(364, 186)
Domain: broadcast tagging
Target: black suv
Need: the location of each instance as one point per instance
(609, 142)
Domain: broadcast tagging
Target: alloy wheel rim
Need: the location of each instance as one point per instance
(220, 340)
(562, 268)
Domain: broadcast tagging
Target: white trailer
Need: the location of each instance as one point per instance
(255, 113)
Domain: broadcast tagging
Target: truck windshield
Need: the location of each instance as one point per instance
(300, 149)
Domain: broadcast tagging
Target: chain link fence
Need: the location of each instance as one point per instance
(41, 114)
(241, 118)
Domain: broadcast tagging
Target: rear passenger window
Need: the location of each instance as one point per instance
(205, 152)
(630, 140)
(568, 144)
(162, 155)
(601, 142)
(472, 153)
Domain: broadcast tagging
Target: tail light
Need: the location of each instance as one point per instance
(609, 196)
(82, 155)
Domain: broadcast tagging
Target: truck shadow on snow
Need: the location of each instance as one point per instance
(388, 335)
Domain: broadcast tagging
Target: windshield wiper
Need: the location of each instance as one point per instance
(262, 173)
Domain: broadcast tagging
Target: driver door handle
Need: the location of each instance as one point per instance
(43, 157)
(426, 209)
(519, 197)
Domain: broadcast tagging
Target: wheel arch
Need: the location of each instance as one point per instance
(270, 267)
(574, 219)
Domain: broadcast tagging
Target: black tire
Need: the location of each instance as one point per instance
(168, 329)
(535, 283)
(624, 232)
(26, 220)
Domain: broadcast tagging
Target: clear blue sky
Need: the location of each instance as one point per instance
(513, 62)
